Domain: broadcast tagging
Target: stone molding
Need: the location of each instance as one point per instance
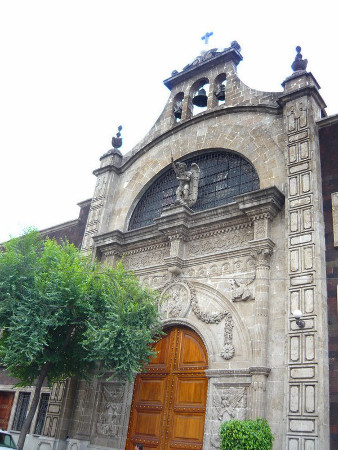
(181, 223)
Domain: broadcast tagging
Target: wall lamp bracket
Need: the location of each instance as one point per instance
(297, 314)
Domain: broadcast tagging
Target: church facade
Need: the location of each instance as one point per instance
(232, 264)
(219, 208)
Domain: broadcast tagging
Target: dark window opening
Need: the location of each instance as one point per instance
(223, 176)
(40, 421)
(21, 410)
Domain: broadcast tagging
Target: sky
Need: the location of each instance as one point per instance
(72, 71)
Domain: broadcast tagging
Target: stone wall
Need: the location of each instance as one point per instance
(329, 162)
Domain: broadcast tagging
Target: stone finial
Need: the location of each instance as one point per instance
(235, 45)
(117, 141)
(299, 63)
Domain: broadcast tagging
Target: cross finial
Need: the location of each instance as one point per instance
(206, 37)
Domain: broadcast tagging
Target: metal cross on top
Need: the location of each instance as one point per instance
(206, 37)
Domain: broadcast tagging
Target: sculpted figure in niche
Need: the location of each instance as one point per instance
(187, 191)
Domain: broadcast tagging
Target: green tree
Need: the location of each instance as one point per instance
(246, 435)
(62, 314)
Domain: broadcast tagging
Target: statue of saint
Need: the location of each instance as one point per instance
(187, 191)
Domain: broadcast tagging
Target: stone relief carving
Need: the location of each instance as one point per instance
(228, 349)
(155, 281)
(94, 212)
(110, 409)
(227, 403)
(187, 191)
(239, 290)
(145, 257)
(220, 240)
(297, 115)
(262, 256)
(214, 318)
(174, 301)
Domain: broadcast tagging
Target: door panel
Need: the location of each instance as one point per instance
(187, 431)
(160, 360)
(6, 402)
(191, 393)
(168, 408)
(192, 352)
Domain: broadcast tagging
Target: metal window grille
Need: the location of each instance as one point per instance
(40, 421)
(21, 410)
(223, 176)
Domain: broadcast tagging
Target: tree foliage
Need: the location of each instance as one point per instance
(246, 435)
(62, 313)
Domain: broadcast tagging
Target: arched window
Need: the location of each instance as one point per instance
(178, 106)
(200, 96)
(224, 175)
(219, 92)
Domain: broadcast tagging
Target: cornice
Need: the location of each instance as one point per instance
(310, 91)
(261, 204)
(229, 54)
(181, 221)
(327, 121)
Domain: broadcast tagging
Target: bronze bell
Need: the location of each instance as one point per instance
(200, 98)
(178, 109)
(220, 92)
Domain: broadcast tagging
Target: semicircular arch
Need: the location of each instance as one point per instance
(224, 174)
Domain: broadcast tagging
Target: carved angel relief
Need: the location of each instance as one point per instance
(187, 191)
(239, 290)
(110, 409)
(228, 403)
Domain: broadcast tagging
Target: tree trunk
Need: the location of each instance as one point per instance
(28, 421)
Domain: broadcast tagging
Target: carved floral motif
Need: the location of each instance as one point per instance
(219, 241)
(138, 259)
(214, 318)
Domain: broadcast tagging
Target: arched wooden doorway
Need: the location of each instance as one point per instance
(168, 408)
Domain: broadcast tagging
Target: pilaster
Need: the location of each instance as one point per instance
(307, 363)
(107, 176)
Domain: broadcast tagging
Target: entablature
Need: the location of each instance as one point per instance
(180, 224)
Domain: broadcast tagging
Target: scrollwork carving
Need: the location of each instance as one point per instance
(263, 256)
(146, 257)
(220, 240)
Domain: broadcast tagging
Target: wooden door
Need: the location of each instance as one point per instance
(168, 408)
(6, 402)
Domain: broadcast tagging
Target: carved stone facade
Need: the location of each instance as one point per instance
(233, 270)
